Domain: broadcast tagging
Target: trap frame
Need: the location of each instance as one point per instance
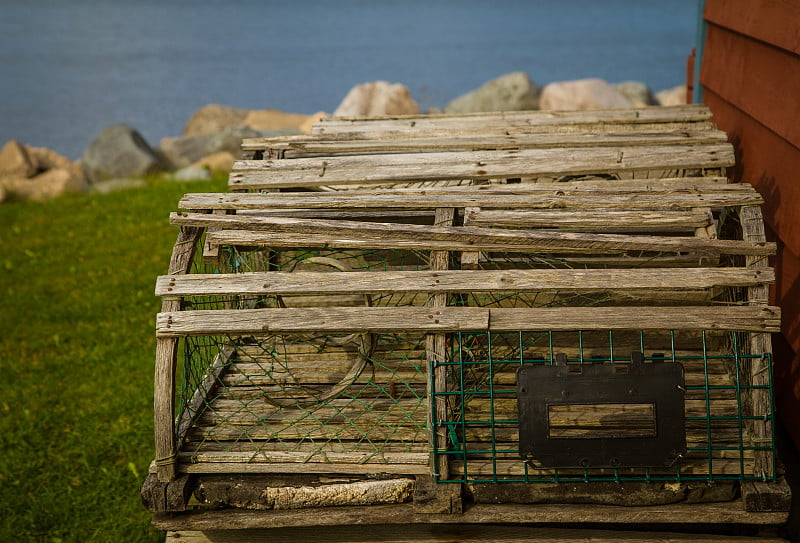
(377, 323)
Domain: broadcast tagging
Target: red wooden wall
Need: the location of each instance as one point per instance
(750, 75)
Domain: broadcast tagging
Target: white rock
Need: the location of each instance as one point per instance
(582, 94)
(676, 96)
(377, 98)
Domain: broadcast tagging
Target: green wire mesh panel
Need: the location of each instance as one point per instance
(327, 399)
(724, 413)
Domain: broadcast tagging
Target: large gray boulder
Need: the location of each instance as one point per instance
(637, 92)
(119, 151)
(181, 152)
(511, 92)
(377, 98)
(583, 94)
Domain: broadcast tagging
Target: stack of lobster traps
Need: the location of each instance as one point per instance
(523, 317)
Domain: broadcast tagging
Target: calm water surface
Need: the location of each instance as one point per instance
(72, 67)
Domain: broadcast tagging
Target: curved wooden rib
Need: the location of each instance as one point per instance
(166, 357)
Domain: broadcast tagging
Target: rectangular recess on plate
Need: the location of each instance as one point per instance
(648, 432)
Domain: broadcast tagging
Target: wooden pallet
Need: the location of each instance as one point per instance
(613, 222)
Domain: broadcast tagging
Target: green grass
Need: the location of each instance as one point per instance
(77, 318)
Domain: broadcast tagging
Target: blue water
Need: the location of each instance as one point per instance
(69, 68)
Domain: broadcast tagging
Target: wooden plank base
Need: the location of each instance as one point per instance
(673, 514)
(460, 533)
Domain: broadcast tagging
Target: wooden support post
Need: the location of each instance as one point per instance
(162, 497)
(471, 260)
(166, 358)
(436, 348)
(430, 497)
(760, 343)
(761, 496)
(765, 497)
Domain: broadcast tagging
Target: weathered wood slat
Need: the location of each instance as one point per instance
(531, 196)
(489, 515)
(333, 145)
(466, 281)
(342, 447)
(454, 165)
(639, 220)
(486, 469)
(513, 121)
(452, 319)
(412, 412)
(472, 238)
(320, 457)
(225, 431)
(250, 383)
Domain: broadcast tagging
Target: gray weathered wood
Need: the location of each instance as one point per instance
(166, 362)
(454, 165)
(515, 122)
(259, 494)
(453, 319)
(760, 370)
(637, 220)
(436, 350)
(530, 196)
(692, 514)
(471, 238)
(288, 147)
(449, 533)
(459, 281)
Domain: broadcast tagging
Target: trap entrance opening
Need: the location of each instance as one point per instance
(601, 420)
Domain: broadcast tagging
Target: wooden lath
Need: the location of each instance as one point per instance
(298, 146)
(653, 194)
(473, 165)
(458, 281)
(448, 238)
(455, 319)
(640, 119)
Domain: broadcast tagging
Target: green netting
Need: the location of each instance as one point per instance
(729, 418)
(347, 398)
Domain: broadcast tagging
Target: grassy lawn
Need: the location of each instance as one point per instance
(77, 318)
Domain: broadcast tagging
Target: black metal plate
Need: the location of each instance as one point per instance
(544, 389)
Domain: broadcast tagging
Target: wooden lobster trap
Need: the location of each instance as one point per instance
(436, 319)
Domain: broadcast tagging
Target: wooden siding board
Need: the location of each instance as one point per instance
(751, 75)
(758, 79)
(776, 22)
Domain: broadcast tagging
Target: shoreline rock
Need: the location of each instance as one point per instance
(377, 98)
(36, 173)
(582, 94)
(211, 141)
(511, 92)
(119, 151)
